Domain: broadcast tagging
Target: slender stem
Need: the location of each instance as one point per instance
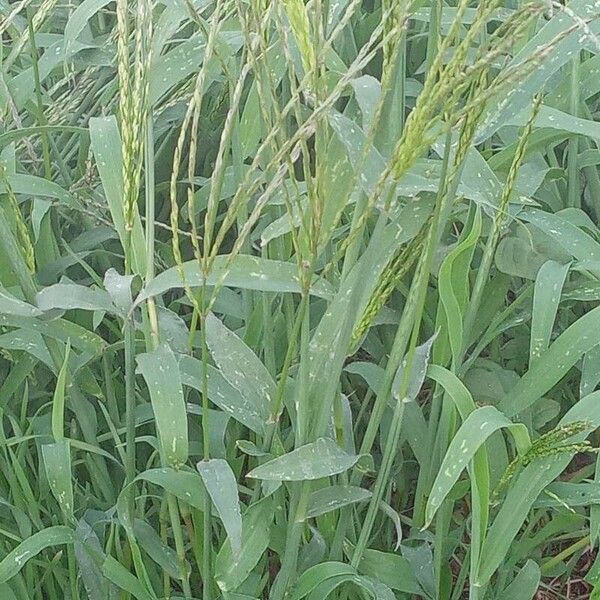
(550, 564)
(573, 191)
(410, 323)
(300, 491)
(287, 572)
(420, 291)
(277, 402)
(72, 563)
(179, 544)
(130, 469)
(207, 516)
(153, 340)
(38, 95)
(150, 212)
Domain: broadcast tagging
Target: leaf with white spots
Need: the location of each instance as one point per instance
(559, 50)
(12, 563)
(568, 236)
(527, 486)
(554, 363)
(333, 497)
(231, 570)
(367, 91)
(240, 366)
(10, 305)
(318, 459)
(353, 138)
(119, 288)
(546, 297)
(473, 433)
(221, 393)
(417, 374)
(70, 296)
(79, 18)
(244, 272)
(176, 65)
(161, 372)
(57, 464)
(221, 485)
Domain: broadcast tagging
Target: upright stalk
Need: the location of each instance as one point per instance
(207, 516)
(410, 324)
(573, 190)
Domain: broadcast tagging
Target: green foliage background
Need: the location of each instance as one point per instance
(299, 299)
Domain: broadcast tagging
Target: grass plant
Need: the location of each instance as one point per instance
(299, 299)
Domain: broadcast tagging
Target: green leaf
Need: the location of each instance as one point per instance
(186, 485)
(58, 400)
(240, 366)
(546, 297)
(230, 400)
(473, 433)
(79, 18)
(334, 497)
(562, 493)
(57, 464)
(119, 289)
(554, 363)
(453, 285)
(68, 296)
(231, 570)
(311, 461)
(417, 375)
(221, 486)
(456, 389)
(244, 271)
(524, 585)
(519, 97)
(319, 581)
(157, 550)
(13, 306)
(31, 185)
(391, 569)
(13, 562)
(120, 576)
(161, 372)
(527, 486)
(316, 575)
(568, 236)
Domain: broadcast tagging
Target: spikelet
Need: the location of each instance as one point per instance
(133, 100)
(393, 23)
(38, 18)
(396, 269)
(548, 444)
(23, 237)
(297, 15)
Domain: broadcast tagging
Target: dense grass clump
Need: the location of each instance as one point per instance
(299, 299)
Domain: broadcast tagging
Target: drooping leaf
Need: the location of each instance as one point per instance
(13, 306)
(232, 570)
(161, 372)
(245, 272)
(475, 430)
(318, 459)
(221, 486)
(333, 497)
(240, 366)
(14, 561)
